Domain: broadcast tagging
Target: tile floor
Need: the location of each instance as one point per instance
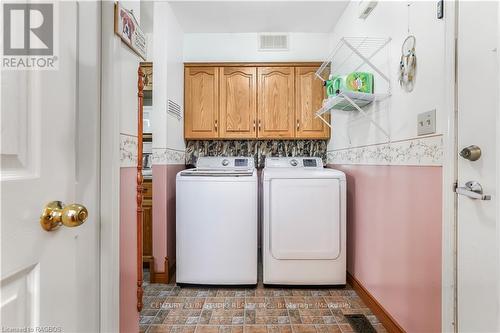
(172, 309)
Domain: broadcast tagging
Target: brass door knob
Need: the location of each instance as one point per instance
(471, 153)
(55, 214)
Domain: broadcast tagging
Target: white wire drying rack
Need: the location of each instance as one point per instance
(349, 55)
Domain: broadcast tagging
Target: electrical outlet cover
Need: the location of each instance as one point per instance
(426, 123)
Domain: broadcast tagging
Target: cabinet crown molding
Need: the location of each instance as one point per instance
(253, 64)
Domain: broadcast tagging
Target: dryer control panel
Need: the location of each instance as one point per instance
(294, 162)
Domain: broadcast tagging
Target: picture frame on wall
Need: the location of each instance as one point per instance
(127, 27)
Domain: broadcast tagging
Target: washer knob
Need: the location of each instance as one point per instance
(294, 163)
(225, 162)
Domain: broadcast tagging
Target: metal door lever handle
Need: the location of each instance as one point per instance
(473, 190)
(472, 194)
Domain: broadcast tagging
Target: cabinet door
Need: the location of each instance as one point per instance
(238, 102)
(309, 95)
(147, 221)
(147, 230)
(276, 102)
(201, 100)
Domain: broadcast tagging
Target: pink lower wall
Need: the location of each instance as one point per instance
(164, 213)
(159, 216)
(394, 239)
(172, 171)
(129, 317)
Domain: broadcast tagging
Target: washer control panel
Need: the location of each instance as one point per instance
(207, 162)
(309, 163)
(241, 162)
(293, 162)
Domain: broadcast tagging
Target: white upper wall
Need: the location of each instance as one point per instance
(175, 81)
(228, 30)
(257, 16)
(168, 78)
(147, 16)
(120, 66)
(212, 47)
(399, 113)
(159, 114)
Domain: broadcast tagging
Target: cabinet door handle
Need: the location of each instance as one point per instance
(298, 124)
(215, 125)
(254, 125)
(259, 125)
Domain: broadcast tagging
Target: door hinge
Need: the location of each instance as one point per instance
(455, 186)
(455, 60)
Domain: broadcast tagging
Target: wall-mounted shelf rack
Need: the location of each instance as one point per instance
(350, 55)
(352, 101)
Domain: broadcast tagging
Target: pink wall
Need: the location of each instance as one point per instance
(159, 216)
(172, 171)
(129, 317)
(394, 239)
(164, 213)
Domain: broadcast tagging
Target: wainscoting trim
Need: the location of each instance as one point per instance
(128, 151)
(168, 156)
(378, 310)
(424, 151)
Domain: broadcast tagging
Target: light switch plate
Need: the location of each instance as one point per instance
(426, 123)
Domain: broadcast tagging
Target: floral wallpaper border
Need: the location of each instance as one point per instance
(128, 150)
(168, 156)
(427, 151)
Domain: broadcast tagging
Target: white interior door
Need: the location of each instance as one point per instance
(49, 151)
(478, 263)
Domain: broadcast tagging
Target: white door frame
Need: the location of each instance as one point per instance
(110, 190)
(110, 214)
(110, 193)
(449, 232)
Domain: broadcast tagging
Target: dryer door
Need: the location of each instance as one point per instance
(305, 218)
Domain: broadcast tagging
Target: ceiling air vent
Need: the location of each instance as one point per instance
(273, 42)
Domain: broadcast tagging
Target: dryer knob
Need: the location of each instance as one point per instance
(294, 163)
(225, 162)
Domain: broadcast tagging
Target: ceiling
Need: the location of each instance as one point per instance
(258, 16)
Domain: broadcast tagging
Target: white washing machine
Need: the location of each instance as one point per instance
(304, 222)
(216, 236)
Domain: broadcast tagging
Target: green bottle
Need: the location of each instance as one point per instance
(330, 88)
(360, 82)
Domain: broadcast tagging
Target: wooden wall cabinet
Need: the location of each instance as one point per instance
(238, 97)
(147, 221)
(201, 91)
(252, 100)
(309, 95)
(276, 102)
